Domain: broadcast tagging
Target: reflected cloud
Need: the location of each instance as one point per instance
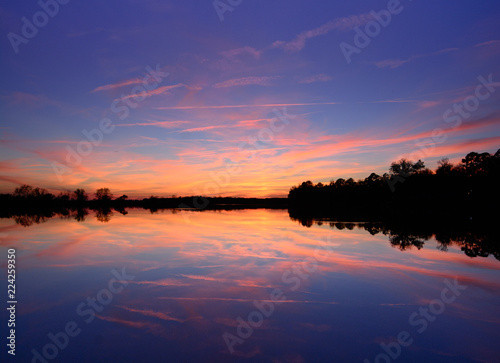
(151, 313)
(150, 327)
(202, 276)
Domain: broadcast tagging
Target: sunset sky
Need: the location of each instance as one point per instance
(425, 86)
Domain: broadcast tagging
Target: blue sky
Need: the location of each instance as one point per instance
(271, 72)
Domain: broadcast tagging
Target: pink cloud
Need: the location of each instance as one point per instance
(428, 104)
(205, 128)
(151, 313)
(246, 81)
(488, 49)
(395, 63)
(346, 23)
(246, 124)
(30, 100)
(164, 124)
(244, 106)
(118, 85)
(490, 42)
(460, 148)
(251, 122)
(157, 91)
(113, 86)
(181, 166)
(150, 327)
(233, 53)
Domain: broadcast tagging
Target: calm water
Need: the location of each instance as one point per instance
(246, 285)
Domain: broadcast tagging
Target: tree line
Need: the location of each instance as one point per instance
(26, 194)
(468, 188)
(33, 203)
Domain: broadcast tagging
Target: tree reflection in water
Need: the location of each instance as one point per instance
(473, 239)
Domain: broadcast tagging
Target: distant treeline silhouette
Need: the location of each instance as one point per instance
(468, 189)
(27, 201)
(408, 189)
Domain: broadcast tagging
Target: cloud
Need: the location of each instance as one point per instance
(159, 91)
(153, 314)
(117, 85)
(246, 81)
(150, 327)
(395, 63)
(205, 128)
(128, 82)
(428, 104)
(235, 59)
(30, 100)
(233, 53)
(342, 24)
(289, 301)
(390, 63)
(317, 78)
(249, 124)
(487, 50)
(242, 106)
(461, 147)
(490, 42)
(165, 124)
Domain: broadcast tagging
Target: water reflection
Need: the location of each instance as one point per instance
(198, 275)
(473, 239)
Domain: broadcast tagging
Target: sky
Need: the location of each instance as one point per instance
(241, 98)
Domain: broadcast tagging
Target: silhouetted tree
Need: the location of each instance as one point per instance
(444, 167)
(28, 220)
(405, 241)
(410, 189)
(104, 214)
(340, 182)
(23, 191)
(80, 196)
(64, 196)
(373, 178)
(406, 167)
(81, 214)
(350, 182)
(475, 163)
(103, 195)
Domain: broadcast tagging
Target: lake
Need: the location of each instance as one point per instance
(244, 286)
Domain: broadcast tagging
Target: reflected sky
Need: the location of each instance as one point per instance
(342, 293)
